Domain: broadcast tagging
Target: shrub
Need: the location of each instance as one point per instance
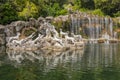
(98, 12)
(117, 14)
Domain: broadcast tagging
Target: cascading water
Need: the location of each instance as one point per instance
(93, 26)
(111, 27)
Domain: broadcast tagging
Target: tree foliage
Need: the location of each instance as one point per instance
(7, 13)
(30, 10)
(11, 10)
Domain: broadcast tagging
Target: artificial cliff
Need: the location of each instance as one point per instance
(87, 25)
(90, 26)
(39, 34)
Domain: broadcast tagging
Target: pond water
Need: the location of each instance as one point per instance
(94, 62)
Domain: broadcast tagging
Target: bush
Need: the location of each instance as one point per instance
(84, 10)
(117, 14)
(30, 10)
(61, 12)
(98, 12)
(7, 14)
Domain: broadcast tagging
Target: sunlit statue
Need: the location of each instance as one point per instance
(47, 37)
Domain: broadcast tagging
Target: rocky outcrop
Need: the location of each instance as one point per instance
(2, 35)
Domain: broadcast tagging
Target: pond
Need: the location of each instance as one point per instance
(94, 62)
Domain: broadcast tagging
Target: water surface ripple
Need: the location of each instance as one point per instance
(94, 62)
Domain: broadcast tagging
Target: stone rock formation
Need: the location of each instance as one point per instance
(46, 37)
(2, 35)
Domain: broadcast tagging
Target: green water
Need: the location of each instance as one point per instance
(94, 62)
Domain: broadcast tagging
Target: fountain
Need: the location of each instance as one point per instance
(42, 34)
(46, 37)
(91, 26)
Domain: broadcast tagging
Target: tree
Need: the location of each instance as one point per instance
(109, 7)
(30, 10)
(8, 13)
(89, 4)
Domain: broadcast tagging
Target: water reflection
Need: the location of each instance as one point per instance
(101, 55)
(94, 55)
(94, 62)
(2, 54)
(51, 59)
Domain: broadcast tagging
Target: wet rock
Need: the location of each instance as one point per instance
(10, 30)
(2, 29)
(2, 39)
(33, 22)
(49, 19)
(19, 25)
(40, 19)
(2, 35)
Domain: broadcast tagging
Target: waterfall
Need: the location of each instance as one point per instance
(111, 27)
(92, 26)
(72, 24)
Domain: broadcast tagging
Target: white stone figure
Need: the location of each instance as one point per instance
(52, 29)
(39, 37)
(32, 43)
(77, 37)
(47, 39)
(10, 39)
(48, 33)
(62, 33)
(69, 38)
(58, 45)
(58, 40)
(17, 42)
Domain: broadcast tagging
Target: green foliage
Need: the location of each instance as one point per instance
(117, 14)
(30, 10)
(53, 10)
(62, 12)
(7, 14)
(88, 4)
(84, 10)
(11, 10)
(58, 25)
(109, 7)
(28, 32)
(75, 7)
(98, 12)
